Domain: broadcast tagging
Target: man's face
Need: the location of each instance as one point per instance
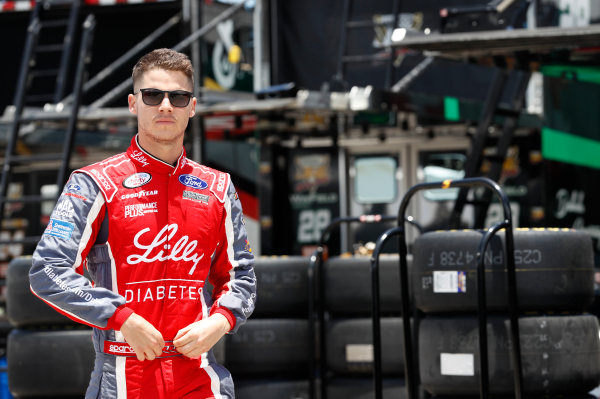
(162, 123)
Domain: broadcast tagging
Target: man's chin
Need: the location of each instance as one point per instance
(166, 137)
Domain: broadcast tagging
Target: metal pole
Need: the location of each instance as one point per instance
(376, 311)
(88, 29)
(196, 131)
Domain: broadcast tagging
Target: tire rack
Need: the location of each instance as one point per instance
(316, 298)
(411, 369)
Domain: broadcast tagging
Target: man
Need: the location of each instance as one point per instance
(152, 227)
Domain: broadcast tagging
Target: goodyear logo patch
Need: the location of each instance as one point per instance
(60, 229)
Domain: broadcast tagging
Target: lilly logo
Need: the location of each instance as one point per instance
(137, 180)
(193, 182)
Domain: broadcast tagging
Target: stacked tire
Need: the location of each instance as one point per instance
(269, 355)
(560, 344)
(48, 355)
(349, 334)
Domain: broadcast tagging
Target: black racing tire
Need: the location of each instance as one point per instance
(23, 308)
(49, 363)
(348, 288)
(362, 388)
(554, 271)
(350, 346)
(273, 347)
(282, 286)
(271, 389)
(560, 355)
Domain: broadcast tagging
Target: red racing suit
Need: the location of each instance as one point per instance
(152, 236)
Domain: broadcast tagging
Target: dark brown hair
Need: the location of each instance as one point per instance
(163, 58)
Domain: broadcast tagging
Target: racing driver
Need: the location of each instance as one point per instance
(163, 240)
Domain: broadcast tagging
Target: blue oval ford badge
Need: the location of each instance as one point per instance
(193, 182)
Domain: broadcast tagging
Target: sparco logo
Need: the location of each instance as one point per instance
(221, 184)
(137, 180)
(125, 349)
(101, 179)
(182, 250)
(193, 182)
(140, 157)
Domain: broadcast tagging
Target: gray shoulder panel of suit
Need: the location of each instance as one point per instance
(63, 248)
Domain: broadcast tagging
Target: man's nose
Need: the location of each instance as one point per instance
(165, 104)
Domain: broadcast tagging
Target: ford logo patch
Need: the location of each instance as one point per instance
(137, 180)
(193, 182)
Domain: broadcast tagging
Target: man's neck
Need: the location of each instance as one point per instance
(166, 152)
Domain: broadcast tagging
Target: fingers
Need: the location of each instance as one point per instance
(180, 334)
(146, 341)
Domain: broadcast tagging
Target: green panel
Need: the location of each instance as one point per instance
(579, 73)
(565, 147)
(572, 106)
(451, 109)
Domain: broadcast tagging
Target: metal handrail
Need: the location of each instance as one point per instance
(411, 377)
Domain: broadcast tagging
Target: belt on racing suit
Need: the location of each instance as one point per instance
(124, 349)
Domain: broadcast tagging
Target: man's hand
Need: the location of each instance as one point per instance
(197, 338)
(143, 337)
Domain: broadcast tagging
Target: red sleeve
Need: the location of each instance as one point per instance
(118, 318)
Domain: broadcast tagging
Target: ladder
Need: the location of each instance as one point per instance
(43, 23)
(493, 106)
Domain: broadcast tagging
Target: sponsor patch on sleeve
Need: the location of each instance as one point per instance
(60, 229)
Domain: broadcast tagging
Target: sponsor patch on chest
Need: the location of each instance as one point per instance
(191, 195)
(136, 210)
(137, 180)
(193, 182)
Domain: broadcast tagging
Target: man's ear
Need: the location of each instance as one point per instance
(131, 100)
(193, 108)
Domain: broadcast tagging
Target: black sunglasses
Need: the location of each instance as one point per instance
(178, 98)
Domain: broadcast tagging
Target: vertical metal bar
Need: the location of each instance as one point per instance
(195, 123)
(346, 11)
(390, 65)
(261, 32)
(312, 345)
(376, 313)
(321, 313)
(61, 79)
(86, 41)
(411, 363)
(274, 26)
(513, 305)
(19, 101)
